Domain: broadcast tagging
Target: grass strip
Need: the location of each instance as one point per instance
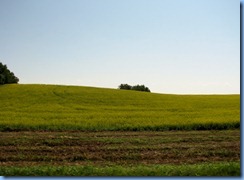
(64, 127)
(204, 169)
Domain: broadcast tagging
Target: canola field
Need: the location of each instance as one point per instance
(50, 107)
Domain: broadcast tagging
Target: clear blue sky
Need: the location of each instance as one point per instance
(171, 46)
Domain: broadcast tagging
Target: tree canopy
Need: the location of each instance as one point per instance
(6, 76)
(136, 87)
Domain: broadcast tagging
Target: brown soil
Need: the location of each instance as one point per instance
(118, 147)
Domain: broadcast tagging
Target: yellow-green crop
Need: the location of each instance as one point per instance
(52, 107)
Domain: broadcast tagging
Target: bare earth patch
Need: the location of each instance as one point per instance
(118, 147)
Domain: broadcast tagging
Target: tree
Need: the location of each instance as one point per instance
(2, 79)
(136, 88)
(125, 86)
(6, 76)
(140, 88)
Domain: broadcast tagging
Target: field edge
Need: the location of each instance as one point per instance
(62, 127)
(202, 169)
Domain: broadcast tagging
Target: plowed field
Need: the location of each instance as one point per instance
(27, 148)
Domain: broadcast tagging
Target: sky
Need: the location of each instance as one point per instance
(170, 46)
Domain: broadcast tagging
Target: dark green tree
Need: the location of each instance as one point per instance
(125, 86)
(6, 76)
(140, 88)
(136, 87)
(2, 79)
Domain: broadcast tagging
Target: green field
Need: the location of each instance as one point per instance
(225, 169)
(49, 107)
(50, 130)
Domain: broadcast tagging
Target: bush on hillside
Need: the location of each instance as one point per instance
(136, 88)
(125, 86)
(6, 76)
(140, 88)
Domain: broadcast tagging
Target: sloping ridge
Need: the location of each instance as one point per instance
(55, 107)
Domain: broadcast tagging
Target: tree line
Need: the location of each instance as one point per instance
(6, 76)
(136, 87)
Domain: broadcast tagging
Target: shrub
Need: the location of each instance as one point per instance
(136, 87)
(125, 86)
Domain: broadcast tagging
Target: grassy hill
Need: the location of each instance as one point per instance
(52, 107)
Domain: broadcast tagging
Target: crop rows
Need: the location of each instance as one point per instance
(174, 147)
(20, 151)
